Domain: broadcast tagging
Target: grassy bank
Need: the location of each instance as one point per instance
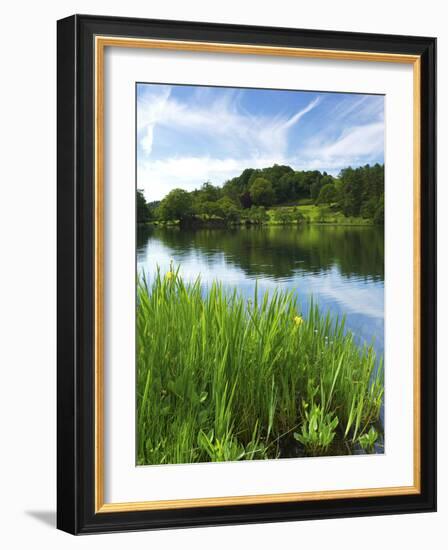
(278, 215)
(219, 378)
(317, 214)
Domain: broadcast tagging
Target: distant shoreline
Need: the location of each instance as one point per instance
(224, 225)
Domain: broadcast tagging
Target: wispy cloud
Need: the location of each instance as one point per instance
(359, 141)
(150, 107)
(221, 120)
(361, 108)
(295, 118)
(356, 145)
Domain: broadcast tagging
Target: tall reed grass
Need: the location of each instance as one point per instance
(223, 378)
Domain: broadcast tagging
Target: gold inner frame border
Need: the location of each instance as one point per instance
(101, 42)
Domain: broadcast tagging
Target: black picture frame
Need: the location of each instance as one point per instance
(76, 271)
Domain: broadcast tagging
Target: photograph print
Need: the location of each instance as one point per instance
(260, 274)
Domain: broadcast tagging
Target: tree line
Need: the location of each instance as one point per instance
(355, 192)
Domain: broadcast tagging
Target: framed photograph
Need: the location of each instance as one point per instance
(246, 274)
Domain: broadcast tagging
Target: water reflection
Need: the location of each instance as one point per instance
(341, 267)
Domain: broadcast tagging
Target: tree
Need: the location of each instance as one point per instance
(257, 215)
(245, 199)
(243, 180)
(282, 215)
(378, 217)
(232, 188)
(228, 210)
(327, 195)
(369, 207)
(177, 205)
(289, 187)
(261, 192)
(351, 191)
(360, 190)
(276, 172)
(143, 210)
(210, 192)
(207, 208)
(315, 189)
(311, 183)
(297, 216)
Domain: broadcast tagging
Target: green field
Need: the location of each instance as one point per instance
(221, 378)
(318, 214)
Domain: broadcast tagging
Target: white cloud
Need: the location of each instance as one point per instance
(220, 120)
(360, 141)
(151, 105)
(295, 118)
(363, 108)
(356, 145)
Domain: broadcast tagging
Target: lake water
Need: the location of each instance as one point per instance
(341, 267)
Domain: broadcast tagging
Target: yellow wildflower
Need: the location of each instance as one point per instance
(298, 320)
(169, 275)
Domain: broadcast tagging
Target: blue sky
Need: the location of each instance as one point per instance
(187, 135)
